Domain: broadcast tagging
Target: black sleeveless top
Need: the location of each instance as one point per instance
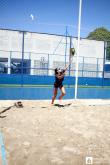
(59, 76)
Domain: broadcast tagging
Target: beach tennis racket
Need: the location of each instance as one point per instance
(72, 53)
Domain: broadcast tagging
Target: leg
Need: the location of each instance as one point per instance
(62, 92)
(55, 94)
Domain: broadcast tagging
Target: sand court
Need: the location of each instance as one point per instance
(41, 134)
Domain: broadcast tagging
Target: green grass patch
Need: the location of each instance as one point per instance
(47, 86)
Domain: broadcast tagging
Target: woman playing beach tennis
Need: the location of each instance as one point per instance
(59, 77)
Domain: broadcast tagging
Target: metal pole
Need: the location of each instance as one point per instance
(78, 42)
(48, 66)
(83, 68)
(97, 69)
(66, 45)
(22, 59)
(9, 63)
(70, 54)
(105, 48)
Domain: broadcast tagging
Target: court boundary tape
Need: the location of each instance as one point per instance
(3, 151)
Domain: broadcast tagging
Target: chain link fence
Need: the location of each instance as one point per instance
(12, 62)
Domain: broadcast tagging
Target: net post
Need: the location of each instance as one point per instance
(78, 42)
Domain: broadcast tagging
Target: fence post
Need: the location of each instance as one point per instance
(66, 45)
(22, 58)
(97, 69)
(105, 46)
(9, 63)
(48, 66)
(70, 54)
(29, 63)
(83, 67)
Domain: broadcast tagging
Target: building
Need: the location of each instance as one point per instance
(38, 54)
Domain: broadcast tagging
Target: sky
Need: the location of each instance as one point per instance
(54, 16)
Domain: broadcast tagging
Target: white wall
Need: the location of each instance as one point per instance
(40, 45)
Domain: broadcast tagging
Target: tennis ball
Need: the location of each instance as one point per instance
(72, 51)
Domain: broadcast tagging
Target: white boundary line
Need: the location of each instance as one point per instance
(3, 151)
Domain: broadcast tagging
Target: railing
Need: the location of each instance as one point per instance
(11, 62)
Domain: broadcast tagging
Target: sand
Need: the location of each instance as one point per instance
(41, 134)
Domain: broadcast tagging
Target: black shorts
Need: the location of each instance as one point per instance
(58, 85)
